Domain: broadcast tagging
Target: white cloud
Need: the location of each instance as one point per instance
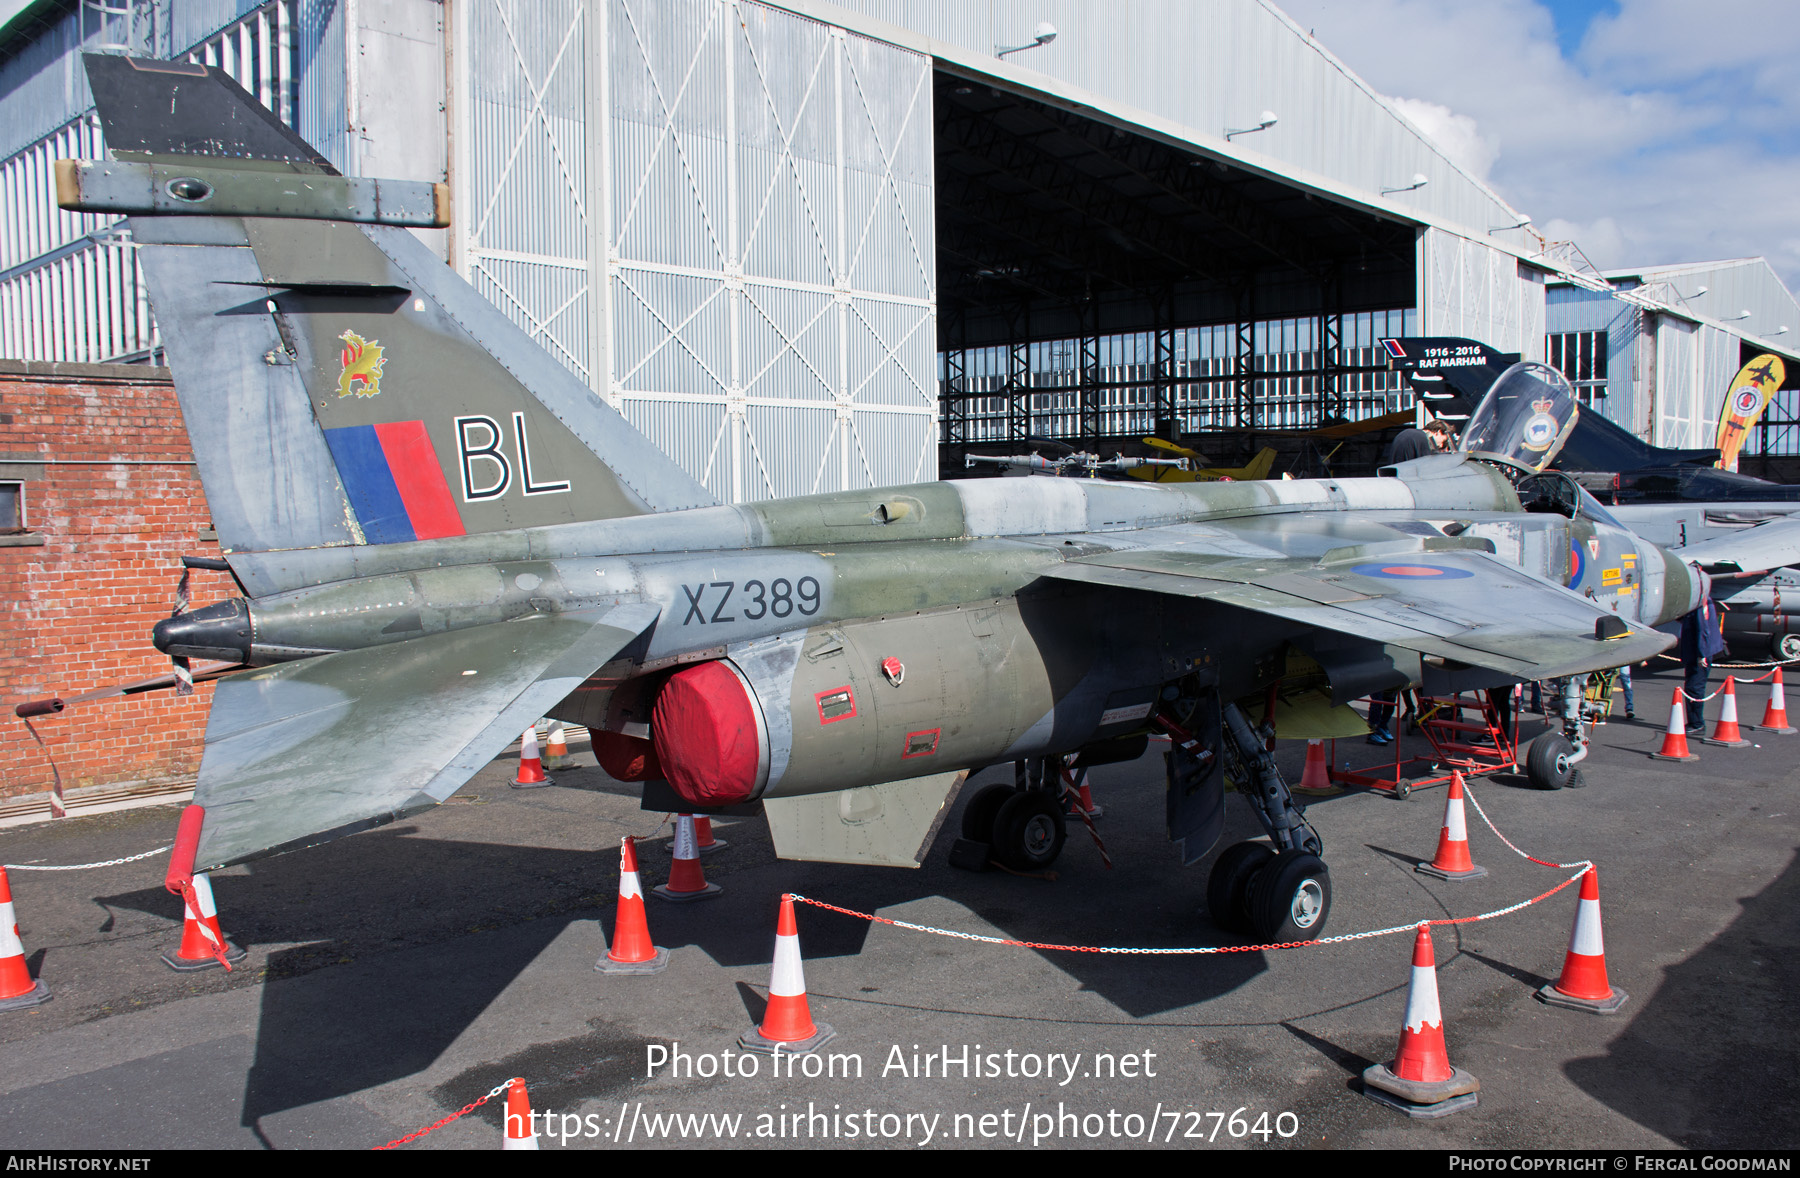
(1457, 135)
(1673, 135)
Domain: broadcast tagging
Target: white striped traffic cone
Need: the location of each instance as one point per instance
(704, 841)
(531, 765)
(1675, 745)
(203, 945)
(18, 989)
(687, 881)
(556, 749)
(1775, 715)
(787, 1024)
(1421, 1082)
(1316, 777)
(521, 1131)
(632, 951)
(1453, 861)
(1725, 732)
(1583, 984)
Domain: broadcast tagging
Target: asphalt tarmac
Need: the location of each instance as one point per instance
(397, 975)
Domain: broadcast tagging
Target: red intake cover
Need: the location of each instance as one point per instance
(704, 725)
(625, 758)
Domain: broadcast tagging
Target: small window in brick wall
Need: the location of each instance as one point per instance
(12, 508)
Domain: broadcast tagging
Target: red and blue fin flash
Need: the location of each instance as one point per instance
(395, 482)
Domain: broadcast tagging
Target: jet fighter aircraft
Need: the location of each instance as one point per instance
(434, 524)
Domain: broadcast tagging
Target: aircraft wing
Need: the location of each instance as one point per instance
(1460, 604)
(303, 752)
(1766, 546)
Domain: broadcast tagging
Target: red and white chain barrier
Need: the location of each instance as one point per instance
(82, 866)
(464, 1111)
(1583, 864)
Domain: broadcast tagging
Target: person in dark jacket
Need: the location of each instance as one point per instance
(1417, 443)
(1701, 643)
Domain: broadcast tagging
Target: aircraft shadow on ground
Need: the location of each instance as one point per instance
(1692, 1064)
(422, 935)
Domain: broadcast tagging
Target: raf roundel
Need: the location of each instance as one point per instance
(1410, 572)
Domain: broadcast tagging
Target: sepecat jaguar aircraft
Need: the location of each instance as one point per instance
(435, 526)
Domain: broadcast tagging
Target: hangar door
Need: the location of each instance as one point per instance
(1470, 289)
(718, 215)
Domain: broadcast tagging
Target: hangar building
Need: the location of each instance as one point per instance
(802, 244)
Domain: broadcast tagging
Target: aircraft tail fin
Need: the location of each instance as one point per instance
(341, 386)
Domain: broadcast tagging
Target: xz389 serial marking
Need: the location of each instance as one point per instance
(778, 598)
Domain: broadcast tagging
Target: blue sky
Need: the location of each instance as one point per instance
(1647, 131)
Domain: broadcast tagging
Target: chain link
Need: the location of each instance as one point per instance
(1583, 864)
(464, 1111)
(82, 866)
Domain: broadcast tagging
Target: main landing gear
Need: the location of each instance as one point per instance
(1273, 892)
(1022, 824)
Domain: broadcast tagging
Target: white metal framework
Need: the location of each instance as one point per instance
(748, 191)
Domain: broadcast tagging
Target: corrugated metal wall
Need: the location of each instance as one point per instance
(1467, 288)
(1213, 66)
(70, 289)
(718, 215)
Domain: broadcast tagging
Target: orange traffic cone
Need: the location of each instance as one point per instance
(202, 943)
(1083, 803)
(17, 987)
(556, 749)
(1317, 776)
(704, 841)
(1725, 732)
(1583, 985)
(1420, 1081)
(1775, 715)
(1674, 745)
(631, 950)
(531, 766)
(1453, 861)
(686, 880)
(787, 1025)
(521, 1129)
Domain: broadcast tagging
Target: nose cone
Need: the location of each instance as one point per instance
(220, 631)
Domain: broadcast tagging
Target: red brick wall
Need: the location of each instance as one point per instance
(117, 506)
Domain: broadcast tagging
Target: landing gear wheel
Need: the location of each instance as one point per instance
(1547, 761)
(1228, 887)
(1029, 831)
(1786, 647)
(978, 816)
(1291, 899)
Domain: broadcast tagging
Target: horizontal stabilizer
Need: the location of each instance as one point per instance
(887, 825)
(1766, 546)
(303, 752)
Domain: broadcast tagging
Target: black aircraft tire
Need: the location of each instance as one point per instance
(1029, 831)
(978, 816)
(1291, 899)
(1228, 886)
(1547, 761)
(1785, 647)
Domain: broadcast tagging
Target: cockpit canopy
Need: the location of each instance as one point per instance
(1525, 418)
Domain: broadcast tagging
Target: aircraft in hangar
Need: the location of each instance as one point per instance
(435, 526)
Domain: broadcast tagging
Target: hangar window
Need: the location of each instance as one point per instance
(12, 508)
(1581, 356)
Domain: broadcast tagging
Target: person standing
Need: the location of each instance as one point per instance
(1701, 643)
